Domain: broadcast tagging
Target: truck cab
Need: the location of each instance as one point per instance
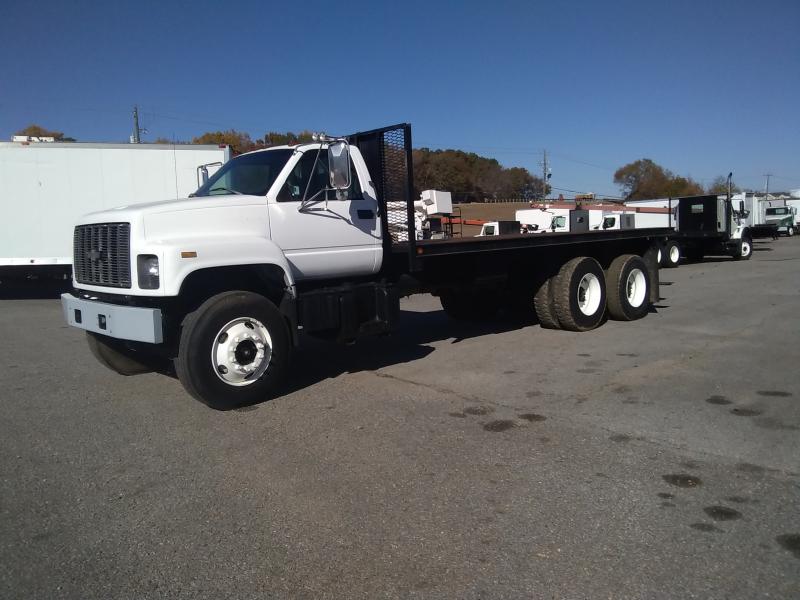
(784, 217)
(499, 228)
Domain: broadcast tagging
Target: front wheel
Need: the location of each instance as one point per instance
(744, 249)
(234, 350)
(790, 231)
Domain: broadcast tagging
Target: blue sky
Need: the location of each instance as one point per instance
(702, 88)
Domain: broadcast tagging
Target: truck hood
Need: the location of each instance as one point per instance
(136, 212)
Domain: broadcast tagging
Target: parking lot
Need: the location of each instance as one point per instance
(658, 458)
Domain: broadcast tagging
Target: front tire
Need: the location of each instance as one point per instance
(628, 288)
(234, 350)
(744, 249)
(580, 294)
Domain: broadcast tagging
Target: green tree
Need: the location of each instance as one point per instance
(275, 138)
(164, 140)
(644, 179)
(469, 177)
(34, 130)
(239, 141)
(720, 186)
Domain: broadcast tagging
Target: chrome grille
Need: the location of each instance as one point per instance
(102, 254)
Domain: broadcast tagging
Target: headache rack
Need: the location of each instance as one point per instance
(387, 154)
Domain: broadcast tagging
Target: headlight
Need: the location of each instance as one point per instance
(148, 271)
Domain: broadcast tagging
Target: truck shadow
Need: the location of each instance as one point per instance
(763, 246)
(318, 360)
(33, 290)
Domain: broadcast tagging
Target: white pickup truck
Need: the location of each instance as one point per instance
(219, 286)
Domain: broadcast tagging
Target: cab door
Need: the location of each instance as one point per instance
(332, 234)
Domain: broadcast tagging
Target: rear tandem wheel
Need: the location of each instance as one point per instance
(580, 294)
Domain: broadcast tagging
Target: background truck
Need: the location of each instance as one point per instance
(500, 228)
(312, 239)
(784, 218)
(752, 208)
(45, 186)
(703, 225)
(545, 219)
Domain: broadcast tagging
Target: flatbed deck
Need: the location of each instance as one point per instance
(525, 241)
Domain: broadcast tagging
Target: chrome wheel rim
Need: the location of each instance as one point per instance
(241, 351)
(746, 248)
(674, 254)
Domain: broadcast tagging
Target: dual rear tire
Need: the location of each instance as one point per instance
(628, 288)
(670, 255)
(580, 295)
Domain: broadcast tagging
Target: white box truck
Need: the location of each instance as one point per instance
(44, 187)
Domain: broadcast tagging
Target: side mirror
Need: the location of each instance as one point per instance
(339, 165)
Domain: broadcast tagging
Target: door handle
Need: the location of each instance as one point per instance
(364, 213)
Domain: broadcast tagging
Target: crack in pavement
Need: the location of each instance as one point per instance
(446, 391)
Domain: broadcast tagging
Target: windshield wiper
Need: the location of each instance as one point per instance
(216, 189)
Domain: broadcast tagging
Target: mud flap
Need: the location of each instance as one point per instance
(651, 260)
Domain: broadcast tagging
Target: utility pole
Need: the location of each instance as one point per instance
(136, 132)
(766, 185)
(546, 174)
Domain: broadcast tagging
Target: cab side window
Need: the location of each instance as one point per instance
(305, 170)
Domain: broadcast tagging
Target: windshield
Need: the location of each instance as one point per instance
(777, 211)
(251, 174)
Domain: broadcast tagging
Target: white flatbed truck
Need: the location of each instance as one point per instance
(301, 238)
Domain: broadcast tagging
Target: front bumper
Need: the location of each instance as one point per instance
(132, 323)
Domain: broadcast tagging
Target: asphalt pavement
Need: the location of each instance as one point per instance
(652, 459)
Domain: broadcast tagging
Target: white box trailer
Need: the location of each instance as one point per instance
(644, 219)
(795, 203)
(45, 187)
